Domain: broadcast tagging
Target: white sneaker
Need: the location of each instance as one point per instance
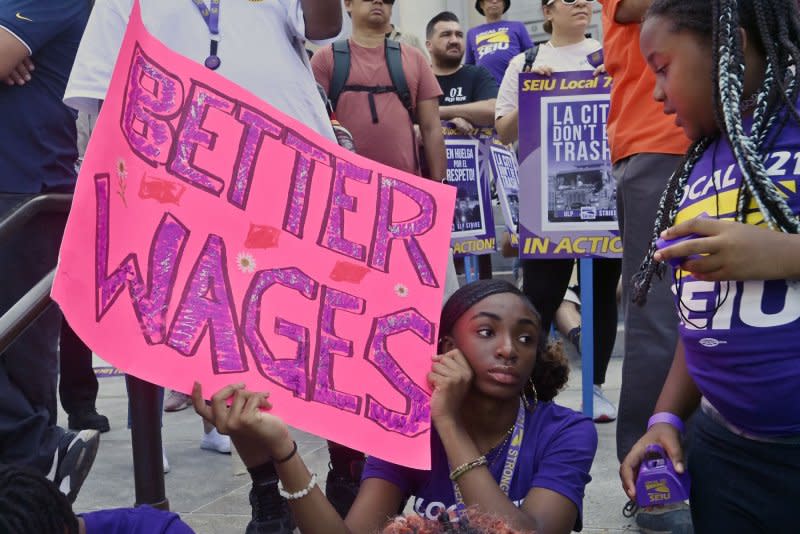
(602, 408)
(214, 441)
(164, 460)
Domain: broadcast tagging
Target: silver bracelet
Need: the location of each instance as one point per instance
(298, 494)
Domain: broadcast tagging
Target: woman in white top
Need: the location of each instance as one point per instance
(545, 280)
(568, 49)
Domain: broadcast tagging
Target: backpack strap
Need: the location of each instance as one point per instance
(341, 70)
(530, 58)
(394, 61)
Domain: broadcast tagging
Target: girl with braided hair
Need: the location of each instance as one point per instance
(728, 70)
(498, 444)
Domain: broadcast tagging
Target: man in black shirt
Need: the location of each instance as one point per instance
(469, 91)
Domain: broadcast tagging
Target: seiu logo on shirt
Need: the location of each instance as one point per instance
(777, 164)
(755, 304)
(491, 41)
(432, 509)
(730, 306)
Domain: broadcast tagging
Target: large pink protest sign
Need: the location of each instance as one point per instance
(213, 238)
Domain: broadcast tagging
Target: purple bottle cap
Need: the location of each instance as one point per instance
(664, 243)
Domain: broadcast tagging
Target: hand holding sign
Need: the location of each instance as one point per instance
(257, 434)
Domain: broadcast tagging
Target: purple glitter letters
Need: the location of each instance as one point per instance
(256, 125)
(149, 300)
(207, 305)
(328, 344)
(332, 235)
(289, 373)
(191, 134)
(299, 189)
(387, 230)
(152, 97)
(416, 417)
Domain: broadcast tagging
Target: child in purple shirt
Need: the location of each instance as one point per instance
(736, 286)
(499, 444)
(494, 44)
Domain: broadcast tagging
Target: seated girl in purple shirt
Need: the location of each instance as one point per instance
(499, 443)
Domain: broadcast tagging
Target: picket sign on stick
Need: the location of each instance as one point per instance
(213, 238)
(468, 171)
(568, 206)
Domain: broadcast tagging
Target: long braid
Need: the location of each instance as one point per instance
(761, 188)
(31, 504)
(762, 19)
(667, 210)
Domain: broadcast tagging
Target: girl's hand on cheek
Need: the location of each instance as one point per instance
(450, 377)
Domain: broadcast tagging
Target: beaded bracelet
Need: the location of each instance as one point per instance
(298, 494)
(288, 456)
(668, 418)
(463, 468)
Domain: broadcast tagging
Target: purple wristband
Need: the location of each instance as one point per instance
(666, 417)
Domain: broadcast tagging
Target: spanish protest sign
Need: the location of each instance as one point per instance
(468, 170)
(213, 238)
(568, 193)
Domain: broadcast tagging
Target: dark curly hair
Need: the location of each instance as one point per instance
(551, 371)
(31, 504)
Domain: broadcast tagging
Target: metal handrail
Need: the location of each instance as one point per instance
(50, 202)
(14, 322)
(27, 309)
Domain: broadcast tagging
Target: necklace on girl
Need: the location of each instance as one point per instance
(516, 434)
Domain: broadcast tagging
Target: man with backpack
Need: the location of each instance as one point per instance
(469, 90)
(379, 89)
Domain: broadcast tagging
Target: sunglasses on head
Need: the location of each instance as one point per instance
(568, 2)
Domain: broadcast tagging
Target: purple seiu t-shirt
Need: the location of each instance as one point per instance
(742, 339)
(494, 45)
(556, 454)
(139, 520)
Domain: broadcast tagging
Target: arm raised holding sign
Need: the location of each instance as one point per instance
(495, 448)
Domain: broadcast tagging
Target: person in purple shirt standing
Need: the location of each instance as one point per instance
(494, 44)
(498, 444)
(736, 273)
